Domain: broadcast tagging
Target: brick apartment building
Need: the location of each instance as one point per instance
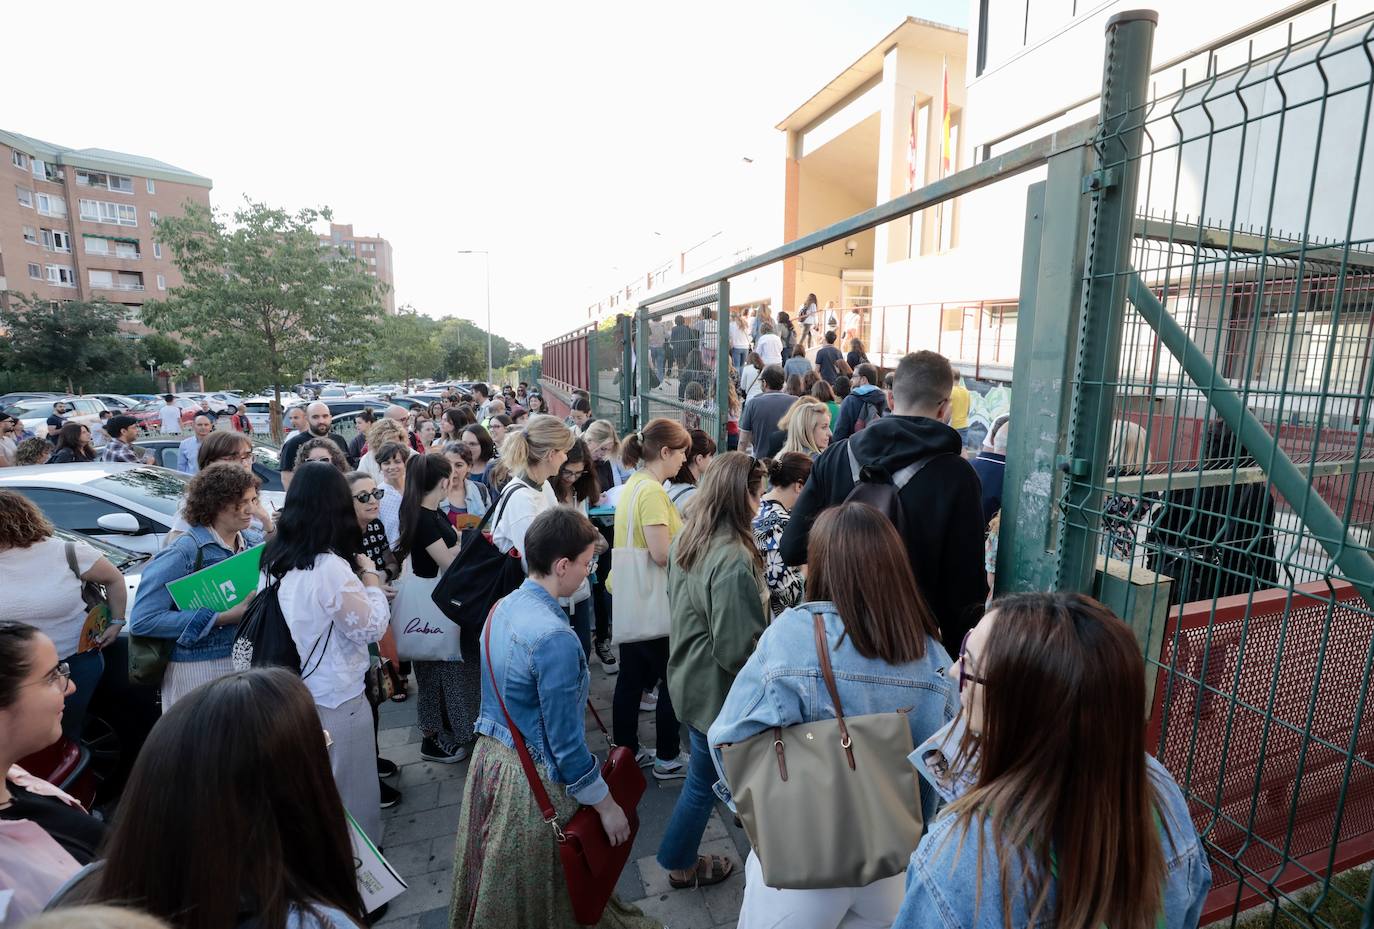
(77, 224)
(372, 250)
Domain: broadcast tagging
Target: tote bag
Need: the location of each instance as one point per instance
(421, 630)
(639, 598)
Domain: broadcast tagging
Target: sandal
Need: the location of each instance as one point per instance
(719, 868)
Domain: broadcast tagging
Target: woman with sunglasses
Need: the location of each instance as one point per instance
(886, 656)
(1045, 774)
(575, 486)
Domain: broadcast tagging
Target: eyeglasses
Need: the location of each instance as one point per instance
(58, 676)
(376, 494)
(965, 677)
(246, 456)
(571, 474)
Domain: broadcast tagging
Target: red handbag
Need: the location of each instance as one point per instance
(591, 865)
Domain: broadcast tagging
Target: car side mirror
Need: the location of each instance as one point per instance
(122, 523)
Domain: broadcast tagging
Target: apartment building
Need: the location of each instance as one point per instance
(372, 250)
(77, 224)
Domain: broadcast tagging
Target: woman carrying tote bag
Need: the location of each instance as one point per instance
(883, 651)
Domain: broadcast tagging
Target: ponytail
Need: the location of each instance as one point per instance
(649, 443)
(423, 474)
(542, 434)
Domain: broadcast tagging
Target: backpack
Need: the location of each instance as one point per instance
(880, 490)
(264, 640)
(868, 410)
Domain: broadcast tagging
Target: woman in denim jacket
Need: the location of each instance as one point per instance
(1045, 775)
(886, 656)
(506, 866)
(220, 503)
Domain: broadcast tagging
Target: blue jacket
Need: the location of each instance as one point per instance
(948, 887)
(781, 685)
(544, 680)
(864, 402)
(154, 614)
(991, 468)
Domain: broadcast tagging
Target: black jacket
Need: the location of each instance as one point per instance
(942, 505)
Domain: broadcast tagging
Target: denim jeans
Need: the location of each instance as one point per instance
(642, 665)
(737, 355)
(87, 667)
(580, 617)
(678, 850)
(656, 356)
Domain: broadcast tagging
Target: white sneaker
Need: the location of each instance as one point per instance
(674, 770)
(648, 703)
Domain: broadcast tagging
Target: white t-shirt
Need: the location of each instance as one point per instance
(171, 418)
(739, 336)
(42, 591)
(770, 348)
(516, 514)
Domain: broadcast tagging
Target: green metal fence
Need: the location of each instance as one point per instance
(682, 360)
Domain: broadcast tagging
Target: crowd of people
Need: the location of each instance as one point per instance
(830, 564)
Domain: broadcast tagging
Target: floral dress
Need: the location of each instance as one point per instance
(785, 584)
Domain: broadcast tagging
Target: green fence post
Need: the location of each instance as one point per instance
(625, 330)
(640, 350)
(593, 382)
(723, 385)
(1121, 129)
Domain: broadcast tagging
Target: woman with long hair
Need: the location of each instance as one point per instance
(451, 424)
(749, 380)
(219, 506)
(73, 444)
(260, 836)
(658, 451)
(716, 596)
(787, 474)
(331, 595)
(808, 427)
(787, 331)
(499, 426)
(884, 650)
(46, 575)
(604, 444)
(465, 497)
(822, 391)
(575, 486)
(579, 413)
(683, 485)
(391, 462)
(856, 356)
(1057, 816)
(449, 690)
(484, 452)
(773, 444)
(534, 457)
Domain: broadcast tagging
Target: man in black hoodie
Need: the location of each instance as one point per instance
(942, 505)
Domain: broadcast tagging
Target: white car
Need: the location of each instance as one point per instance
(33, 414)
(132, 506)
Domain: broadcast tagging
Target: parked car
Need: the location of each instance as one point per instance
(33, 414)
(7, 400)
(129, 562)
(266, 459)
(132, 506)
(117, 403)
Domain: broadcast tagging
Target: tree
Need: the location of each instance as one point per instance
(62, 341)
(454, 332)
(269, 301)
(468, 360)
(409, 347)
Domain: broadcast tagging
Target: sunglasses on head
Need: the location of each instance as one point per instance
(376, 494)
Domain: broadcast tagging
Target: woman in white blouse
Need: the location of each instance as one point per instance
(335, 607)
(533, 455)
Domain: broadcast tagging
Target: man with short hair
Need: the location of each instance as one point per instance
(169, 415)
(761, 414)
(864, 406)
(826, 356)
(123, 433)
(188, 452)
(296, 421)
(321, 426)
(56, 420)
(481, 395)
(942, 509)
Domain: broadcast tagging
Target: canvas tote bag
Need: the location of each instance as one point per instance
(639, 594)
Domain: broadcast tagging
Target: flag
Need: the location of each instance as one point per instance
(912, 158)
(944, 124)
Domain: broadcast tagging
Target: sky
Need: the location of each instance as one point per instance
(578, 144)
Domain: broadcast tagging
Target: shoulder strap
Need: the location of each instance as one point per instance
(630, 517)
(71, 559)
(501, 503)
(902, 476)
(681, 492)
(823, 653)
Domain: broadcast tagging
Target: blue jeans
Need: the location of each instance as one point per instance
(580, 617)
(656, 360)
(737, 355)
(678, 850)
(87, 667)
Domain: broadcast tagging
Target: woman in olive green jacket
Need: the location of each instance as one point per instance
(719, 604)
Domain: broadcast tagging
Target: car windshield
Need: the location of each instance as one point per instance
(121, 558)
(156, 488)
(26, 409)
(267, 455)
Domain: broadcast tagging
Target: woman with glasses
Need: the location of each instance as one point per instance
(1045, 774)
(322, 449)
(478, 440)
(576, 486)
(220, 502)
(886, 656)
(33, 687)
(46, 575)
(683, 485)
(73, 444)
(499, 426)
(228, 448)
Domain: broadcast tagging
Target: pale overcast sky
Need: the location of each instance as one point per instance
(560, 137)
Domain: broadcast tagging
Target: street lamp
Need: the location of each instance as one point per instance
(486, 265)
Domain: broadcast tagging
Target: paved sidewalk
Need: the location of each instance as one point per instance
(420, 829)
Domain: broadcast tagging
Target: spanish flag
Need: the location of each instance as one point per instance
(944, 124)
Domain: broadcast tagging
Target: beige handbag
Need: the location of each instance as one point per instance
(830, 803)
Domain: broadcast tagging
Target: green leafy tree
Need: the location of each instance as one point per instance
(66, 342)
(269, 301)
(409, 347)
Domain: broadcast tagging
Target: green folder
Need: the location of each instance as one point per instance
(219, 586)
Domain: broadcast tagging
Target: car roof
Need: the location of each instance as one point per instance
(75, 473)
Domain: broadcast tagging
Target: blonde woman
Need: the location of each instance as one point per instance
(604, 446)
(808, 427)
(534, 456)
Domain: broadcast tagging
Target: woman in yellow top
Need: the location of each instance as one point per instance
(959, 400)
(658, 450)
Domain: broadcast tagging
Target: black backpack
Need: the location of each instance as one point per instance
(264, 640)
(879, 489)
(868, 410)
(481, 573)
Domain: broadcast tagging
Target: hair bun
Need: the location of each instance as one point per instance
(774, 468)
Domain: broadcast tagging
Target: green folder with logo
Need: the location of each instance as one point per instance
(220, 586)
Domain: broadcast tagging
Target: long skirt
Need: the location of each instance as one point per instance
(353, 760)
(506, 869)
(450, 698)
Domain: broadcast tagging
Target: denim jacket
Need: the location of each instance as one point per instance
(544, 680)
(154, 614)
(948, 887)
(781, 685)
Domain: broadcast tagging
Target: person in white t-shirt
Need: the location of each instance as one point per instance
(170, 416)
(45, 575)
(769, 345)
(534, 457)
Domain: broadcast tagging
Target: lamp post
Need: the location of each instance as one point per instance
(486, 266)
